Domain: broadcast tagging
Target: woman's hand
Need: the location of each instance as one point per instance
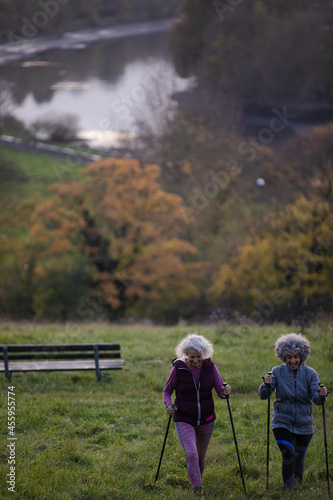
(322, 391)
(268, 378)
(226, 390)
(171, 410)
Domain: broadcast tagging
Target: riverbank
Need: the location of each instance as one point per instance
(80, 153)
(21, 48)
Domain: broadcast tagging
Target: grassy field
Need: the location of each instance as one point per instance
(82, 440)
(42, 170)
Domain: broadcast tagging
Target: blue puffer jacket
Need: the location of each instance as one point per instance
(295, 391)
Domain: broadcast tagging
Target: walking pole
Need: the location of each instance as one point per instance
(233, 430)
(267, 458)
(325, 441)
(268, 422)
(165, 438)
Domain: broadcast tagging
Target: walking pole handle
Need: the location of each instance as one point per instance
(227, 396)
(323, 398)
(268, 373)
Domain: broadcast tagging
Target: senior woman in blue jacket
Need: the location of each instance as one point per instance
(296, 388)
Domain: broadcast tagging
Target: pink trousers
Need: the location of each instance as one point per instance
(195, 441)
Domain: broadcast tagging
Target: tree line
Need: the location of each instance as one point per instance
(184, 230)
(119, 242)
(264, 53)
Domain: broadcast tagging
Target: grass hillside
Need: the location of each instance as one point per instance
(41, 170)
(24, 178)
(82, 440)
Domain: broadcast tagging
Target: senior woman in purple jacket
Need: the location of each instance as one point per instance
(193, 377)
(296, 388)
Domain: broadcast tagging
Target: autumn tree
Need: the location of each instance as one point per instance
(17, 254)
(285, 268)
(304, 164)
(120, 238)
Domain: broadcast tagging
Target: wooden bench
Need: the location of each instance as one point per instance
(60, 357)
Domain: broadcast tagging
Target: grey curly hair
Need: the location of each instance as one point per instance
(197, 342)
(292, 342)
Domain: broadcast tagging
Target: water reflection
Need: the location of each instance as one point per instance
(98, 83)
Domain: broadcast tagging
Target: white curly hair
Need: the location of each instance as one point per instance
(197, 342)
(292, 342)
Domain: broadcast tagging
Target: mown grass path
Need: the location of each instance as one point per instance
(82, 440)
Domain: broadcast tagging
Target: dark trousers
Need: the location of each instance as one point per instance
(293, 448)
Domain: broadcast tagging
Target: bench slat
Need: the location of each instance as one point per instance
(105, 346)
(58, 355)
(113, 364)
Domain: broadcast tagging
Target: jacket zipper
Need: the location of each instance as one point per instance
(295, 400)
(198, 400)
(197, 388)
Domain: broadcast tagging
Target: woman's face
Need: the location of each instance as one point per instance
(194, 359)
(293, 360)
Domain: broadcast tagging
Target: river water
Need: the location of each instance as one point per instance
(106, 78)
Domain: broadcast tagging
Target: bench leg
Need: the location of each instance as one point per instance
(5, 358)
(98, 371)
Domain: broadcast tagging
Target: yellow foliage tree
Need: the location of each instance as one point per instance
(286, 264)
(17, 253)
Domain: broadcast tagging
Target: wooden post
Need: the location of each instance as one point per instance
(5, 358)
(96, 355)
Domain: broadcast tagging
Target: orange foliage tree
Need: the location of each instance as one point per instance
(122, 237)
